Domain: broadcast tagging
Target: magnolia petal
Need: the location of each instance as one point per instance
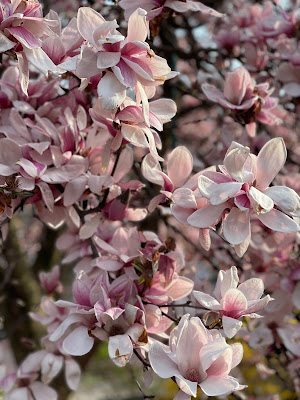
(234, 302)
(181, 288)
(235, 160)
(108, 59)
(72, 373)
(5, 43)
(237, 354)
(285, 198)
(90, 227)
(42, 392)
(259, 201)
(111, 91)
(182, 396)
(137, 26)
(231, 326)
(206, 216)
(241, 248)
(88, 20)
(161, 363)
(211, 92)
(236, 84)
(270, 160)
(252, 288)
(120, 349)
(78, 342)
(217, 386)
(47, 195)
(109, 265)
(41, 61)
(74, 190)
(206, 300)
(180, 165)
(204, 238)
(236, 226)
(135, 135)
(228, 280)
(184, 198)
(278, 221)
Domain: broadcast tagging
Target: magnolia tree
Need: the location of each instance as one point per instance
(149, 160)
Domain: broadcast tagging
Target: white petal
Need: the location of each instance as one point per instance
(217, 386)
(78, 342)
(206, 300)
(206, 216)
(236, 226)
(111, 91)
(259, 201)
(285, 198)
(231, 326)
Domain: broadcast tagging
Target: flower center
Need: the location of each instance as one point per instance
(116, 330)
(193, 375)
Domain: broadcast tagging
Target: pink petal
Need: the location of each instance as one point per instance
(124, 164)
(24, 36)
(278, 221)
(47, 195)
(111, 91)
(108, 59)
(234, 303)
(43, 392)
(235, 160)
(184, 198)
(78, 342)
(231, 326)
(181, 288)
(206, 300)
(74, 190)
(88, 20)
(237, 354)
(161, 363)
(252, 288)
(109, 265)
(285, 198)
(211, 351)
(120, 349)
(259, 201)
(236, 226)
(206, 216)
(270, 160)
(217, 386)
(211, 92)
(137, 26)
(163, 109)
(180, 165)
(236, 84)
(72, 373)
(227, 280)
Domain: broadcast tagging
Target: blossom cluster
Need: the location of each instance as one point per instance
(85, 125)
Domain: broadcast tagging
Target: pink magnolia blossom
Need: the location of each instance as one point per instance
(232, 301)
(22, 28)
(197, 357)
(156, 7)
(128, 124)
(243, 188)
(290, 335)
(24, 384)
(248, 102)
(127, 62)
